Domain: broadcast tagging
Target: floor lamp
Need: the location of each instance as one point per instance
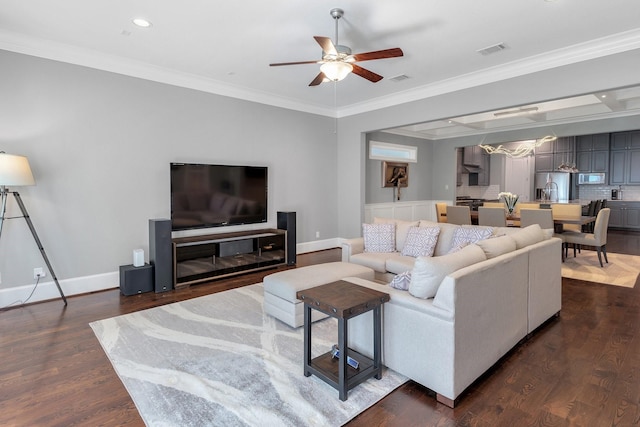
(15, 171)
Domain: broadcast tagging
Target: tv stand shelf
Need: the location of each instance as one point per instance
(201, 258)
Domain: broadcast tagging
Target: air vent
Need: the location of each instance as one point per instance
(399, 78)
(492, 49)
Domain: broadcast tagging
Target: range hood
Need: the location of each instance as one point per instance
(471, 169)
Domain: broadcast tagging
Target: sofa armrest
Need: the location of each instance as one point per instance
(352, 247)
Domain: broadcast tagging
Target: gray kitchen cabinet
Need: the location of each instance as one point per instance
(624, 215)
(624, 164)
(625, 140)
(554, 153)
(592, 153)
(473, 155)
(592, 161)
(597, 142)
(545, 162)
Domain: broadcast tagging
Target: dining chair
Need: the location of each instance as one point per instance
(460, 215)
(597, 239)
(493, 205)
(519, 207)
(441, 212)
(493, 217)
(542, 217)
(591, 211)
(568, 210)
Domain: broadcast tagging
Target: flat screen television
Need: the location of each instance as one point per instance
(205, 195)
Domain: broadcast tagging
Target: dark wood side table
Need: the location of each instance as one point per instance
(343, 300)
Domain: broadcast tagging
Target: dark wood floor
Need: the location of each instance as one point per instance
(581, 369)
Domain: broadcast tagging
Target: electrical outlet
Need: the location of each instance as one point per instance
(317, 234)
(38, 272)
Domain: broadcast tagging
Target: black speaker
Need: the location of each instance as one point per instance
(136, 280)
(161, 254)
(287, 221)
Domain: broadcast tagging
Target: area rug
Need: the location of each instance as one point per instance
(622, 270)
(219, 360)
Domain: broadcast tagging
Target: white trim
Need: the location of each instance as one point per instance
(48, 291)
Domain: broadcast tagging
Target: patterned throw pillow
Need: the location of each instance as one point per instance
(421, 241)
(470, 234)
(379, 237)
(401, 281)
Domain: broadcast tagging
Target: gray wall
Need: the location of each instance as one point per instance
(100, 145)
(419, 177)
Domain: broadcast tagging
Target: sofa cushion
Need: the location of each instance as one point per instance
(421, 241)
(379, 237)
(428, 272)
(470, 234)
(528, 236)
(402, 229)
(401, 281)
(397, 263)
(376, 261)
(497, 246)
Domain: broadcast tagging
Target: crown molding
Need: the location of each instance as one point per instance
(47, 49)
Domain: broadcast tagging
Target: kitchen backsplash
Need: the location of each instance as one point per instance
(594, 192)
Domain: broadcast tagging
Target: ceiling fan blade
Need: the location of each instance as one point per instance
(379, 54)
(277, 64)
(326, 44)
(319, 79)
(369, 75)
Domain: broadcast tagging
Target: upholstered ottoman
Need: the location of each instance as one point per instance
(280, 288)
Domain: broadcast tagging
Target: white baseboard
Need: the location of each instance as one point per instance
(318, 245)
(100, 282)
(48, 290)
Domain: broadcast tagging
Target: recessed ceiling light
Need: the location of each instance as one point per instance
(141, 22)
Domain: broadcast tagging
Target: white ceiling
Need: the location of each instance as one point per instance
(225, 47)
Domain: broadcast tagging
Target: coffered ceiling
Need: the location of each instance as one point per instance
(226, 47)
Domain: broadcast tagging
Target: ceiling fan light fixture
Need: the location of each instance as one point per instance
(336, 70)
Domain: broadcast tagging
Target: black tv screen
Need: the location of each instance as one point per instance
(217, 195)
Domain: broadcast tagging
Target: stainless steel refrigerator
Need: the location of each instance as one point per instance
(562, 191)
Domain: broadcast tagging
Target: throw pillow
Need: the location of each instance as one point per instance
(421, 241)
(528, 236)
(401, 281)
(470, 234)
(379, 237)
(428, 273)
(498, 246)
(402, 229)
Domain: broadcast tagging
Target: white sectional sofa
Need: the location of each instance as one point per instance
(480, 302)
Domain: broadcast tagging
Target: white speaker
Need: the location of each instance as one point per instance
(138, 257)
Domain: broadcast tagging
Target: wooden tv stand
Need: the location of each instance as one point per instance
(202, 258)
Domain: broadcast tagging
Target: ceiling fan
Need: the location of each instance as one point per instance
(338, 61)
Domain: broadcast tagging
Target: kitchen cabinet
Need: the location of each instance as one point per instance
(473, 155)
(624, 162)
(625, 140)
(545, 162)
(459, 166)
(624, 215)
(552, 154)
(592, 153)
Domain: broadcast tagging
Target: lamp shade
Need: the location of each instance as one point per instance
(336, 70)
(15, 170)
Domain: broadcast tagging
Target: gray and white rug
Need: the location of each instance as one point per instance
(218, 360)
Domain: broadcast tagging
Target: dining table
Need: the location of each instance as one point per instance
(559, 221)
